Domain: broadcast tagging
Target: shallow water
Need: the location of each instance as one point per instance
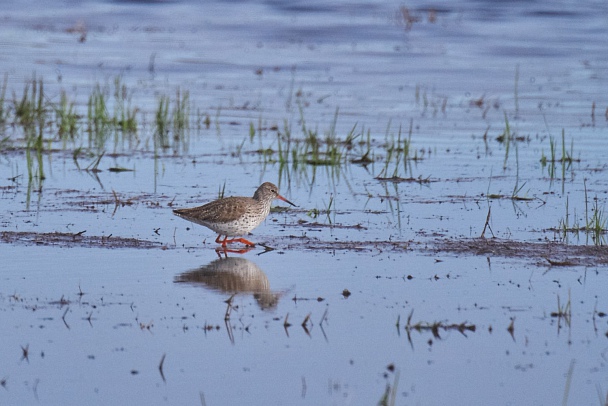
(98, 320)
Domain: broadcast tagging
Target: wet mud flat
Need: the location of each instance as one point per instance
(541, 254)
(70, 240)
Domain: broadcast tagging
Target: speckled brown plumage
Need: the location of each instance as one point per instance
(234, 216)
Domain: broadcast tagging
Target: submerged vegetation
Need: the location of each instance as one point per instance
(111, 122)
(172, 129)
(594, 225)
(40, 124)
(30, 113)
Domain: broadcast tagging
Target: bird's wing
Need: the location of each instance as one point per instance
(224, 210)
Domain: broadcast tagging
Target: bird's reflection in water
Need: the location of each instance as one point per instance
(233, 275)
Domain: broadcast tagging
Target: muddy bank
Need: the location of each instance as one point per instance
(538, 253)
(70, 240)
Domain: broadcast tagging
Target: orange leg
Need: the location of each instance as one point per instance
(223, 242)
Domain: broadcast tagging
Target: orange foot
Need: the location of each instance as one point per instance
(226, 241)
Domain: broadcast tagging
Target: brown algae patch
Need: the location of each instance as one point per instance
(540, 253)
(544, 253)
(71, 240)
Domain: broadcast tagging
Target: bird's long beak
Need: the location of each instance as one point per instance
(285, 200)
